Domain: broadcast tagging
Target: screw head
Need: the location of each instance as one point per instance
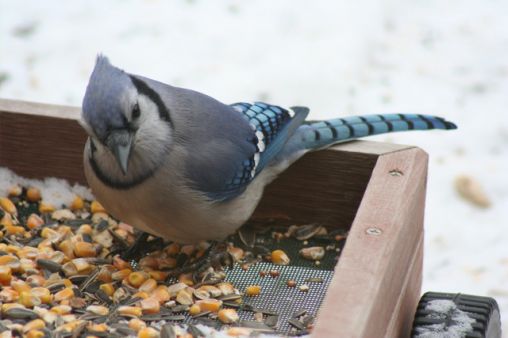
(396, 173)
(373, 231)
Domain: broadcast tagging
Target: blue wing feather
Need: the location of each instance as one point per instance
(272, 126)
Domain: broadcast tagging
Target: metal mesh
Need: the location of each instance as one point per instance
(276, 296)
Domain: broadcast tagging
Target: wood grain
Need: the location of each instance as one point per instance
(38, 146)
(370, 276)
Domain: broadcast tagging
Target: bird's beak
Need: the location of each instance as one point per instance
(119, 141)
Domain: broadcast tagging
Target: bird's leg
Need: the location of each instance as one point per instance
(216, 256)
(141, 246)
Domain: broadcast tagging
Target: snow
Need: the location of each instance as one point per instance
(337, 57)
(56, 192)
(459, 321)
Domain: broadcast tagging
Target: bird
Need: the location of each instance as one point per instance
(183, 166)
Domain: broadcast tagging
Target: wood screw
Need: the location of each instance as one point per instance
(373, 231)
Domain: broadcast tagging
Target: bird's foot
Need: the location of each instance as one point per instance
(216, 256)
(141, 246)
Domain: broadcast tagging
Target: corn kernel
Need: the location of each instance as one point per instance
(120, 275)
(136, 324)
(173, 249)
(130, 310)
(14, 230)
(98, 310)
(69, 327)
(226, 288)
(159, 276)
(28, 299)
(35, 280)
(148, 286)
(120, 264)
(33, 194)
(107, 288)
(84, 249)
(149, 262)
(64, 294)
(212, 305)
(253, 290)
(6, 307)
(69, 269)
(166, 263)
(46, 207)
(35, 324)
(148, 332)
(238, 332)
(236, 252)
(77, 203)
(105, 273)
(35, 334)
(184, 297)
(67, 247)
(186, 278)
(195, 309)
(6, 221)
(97, 327)
(7, 205)
(279, 257)
(141, 294)
(8, 295)
(15, 191)
(161, 293)
(228, 316)
(85, 229)
(34, 221)
(42, 293)
(9, 260)
(136, 278)
(61, 309)
(150, 306)
(20, 286)
(82, 265)
(95, 206)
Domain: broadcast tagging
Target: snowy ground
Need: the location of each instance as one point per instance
(441, 57)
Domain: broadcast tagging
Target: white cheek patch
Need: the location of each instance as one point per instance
(291, 112)
(148, 108)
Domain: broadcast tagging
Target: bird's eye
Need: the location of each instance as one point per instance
(135, 111)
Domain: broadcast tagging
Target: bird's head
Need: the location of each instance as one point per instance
(126, 119)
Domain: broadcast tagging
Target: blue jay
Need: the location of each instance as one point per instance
(183, 166)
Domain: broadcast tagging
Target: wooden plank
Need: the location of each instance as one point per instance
(364, 293)
(39, 146)
(402, 319)
(35, 108)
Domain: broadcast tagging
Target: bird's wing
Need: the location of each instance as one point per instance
(271, 128)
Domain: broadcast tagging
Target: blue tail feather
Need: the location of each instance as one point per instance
(320, 134)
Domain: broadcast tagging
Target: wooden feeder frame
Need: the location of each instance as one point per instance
(375, 189)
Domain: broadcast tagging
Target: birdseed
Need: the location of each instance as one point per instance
(61, 273)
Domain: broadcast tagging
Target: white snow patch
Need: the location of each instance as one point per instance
(461, 323)
(57, 192)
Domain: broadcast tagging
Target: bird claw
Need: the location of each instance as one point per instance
(216, 257)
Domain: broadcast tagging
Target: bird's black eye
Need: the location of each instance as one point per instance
(135, 111)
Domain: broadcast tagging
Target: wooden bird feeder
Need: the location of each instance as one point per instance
(377, 190)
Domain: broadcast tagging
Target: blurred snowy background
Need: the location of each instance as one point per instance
(448, 58)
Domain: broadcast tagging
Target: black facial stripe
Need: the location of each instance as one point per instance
(116, 184)
(144, 89)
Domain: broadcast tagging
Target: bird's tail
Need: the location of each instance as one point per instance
(319, 134)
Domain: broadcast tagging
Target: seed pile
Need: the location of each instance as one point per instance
(61, 276)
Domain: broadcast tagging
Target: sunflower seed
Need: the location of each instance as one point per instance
(49, 265)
